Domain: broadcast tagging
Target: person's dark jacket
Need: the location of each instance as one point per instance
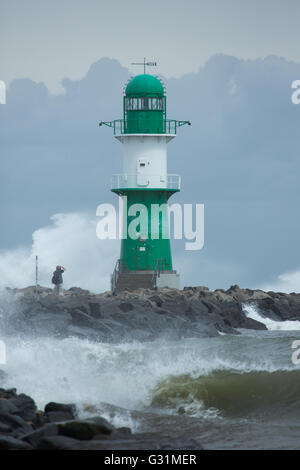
(57, 276)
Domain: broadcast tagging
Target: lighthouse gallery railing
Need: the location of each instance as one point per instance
(132, 181)
(170, 126)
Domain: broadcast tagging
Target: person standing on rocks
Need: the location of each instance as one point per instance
(57, 279)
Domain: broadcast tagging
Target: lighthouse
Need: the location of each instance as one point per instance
(145, 186)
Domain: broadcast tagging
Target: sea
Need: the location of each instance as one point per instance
(229, 392)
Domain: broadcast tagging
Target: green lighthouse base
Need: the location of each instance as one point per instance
(145, 243)
(145, 259)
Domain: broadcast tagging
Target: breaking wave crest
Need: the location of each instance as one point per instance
(230, 392)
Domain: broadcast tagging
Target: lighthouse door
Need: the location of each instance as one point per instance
(142, 172)
(141, 255)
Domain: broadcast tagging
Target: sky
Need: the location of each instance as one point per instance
(50, 40)
(228, 67)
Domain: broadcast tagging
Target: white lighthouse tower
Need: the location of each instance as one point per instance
(145, 186)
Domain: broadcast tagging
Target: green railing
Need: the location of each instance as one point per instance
(161, 265)
(119, 126)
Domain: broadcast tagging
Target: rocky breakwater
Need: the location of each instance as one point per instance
(142, 314)
(57, 427)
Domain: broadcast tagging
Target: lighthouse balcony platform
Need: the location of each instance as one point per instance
(143, 181)
(121, 127)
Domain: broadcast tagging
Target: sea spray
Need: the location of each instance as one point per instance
(126, 374)
(252, 311)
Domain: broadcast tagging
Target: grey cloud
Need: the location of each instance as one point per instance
(240, 158)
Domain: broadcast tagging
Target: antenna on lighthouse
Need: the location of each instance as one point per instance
(145, 64)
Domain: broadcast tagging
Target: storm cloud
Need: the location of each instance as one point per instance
(240, 158)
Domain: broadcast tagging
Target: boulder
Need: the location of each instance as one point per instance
(236, 318)
(80, 318)
(7, 407)
(26, 406)
(126, 307)
(61, 407)
(19, 425)
(58, 443)
(9, 443)
(85, 429)
(95, 310)
(34, 437)
(57, 416)
(5, 429)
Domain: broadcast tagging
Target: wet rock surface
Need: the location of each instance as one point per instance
(94, 433)
(141, 314)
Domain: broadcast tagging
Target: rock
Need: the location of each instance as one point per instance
(252, 324)
(35, 437)
(41, 419)
(9, 393)
(58, 443)
(80, 318)
(85, 429)
(95, 310)
(78, 291)
(236, 318)
(126, 307)
(8, 443)
(226, 329)
(118, 433)
(7, 407)
(156, 299)
(57, 416)
(18, 425)
(4, 428)
(25, 405)
(62, 407)
(139, 442)
(144, 314)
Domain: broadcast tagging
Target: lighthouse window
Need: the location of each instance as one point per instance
(152, 103)
(131, 103)
(143, 103)
(156, 104)
(134, 103)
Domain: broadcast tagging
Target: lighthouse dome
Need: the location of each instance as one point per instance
(144, 84)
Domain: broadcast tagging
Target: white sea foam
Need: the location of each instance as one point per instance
(124, 375)
(89, 373)
(253, 312)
